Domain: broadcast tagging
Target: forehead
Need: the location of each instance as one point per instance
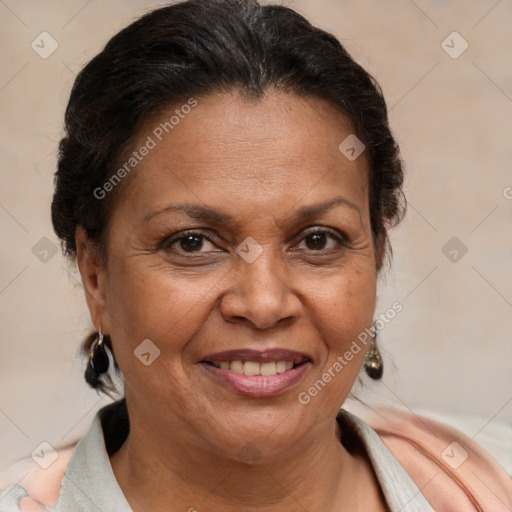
(231, 149)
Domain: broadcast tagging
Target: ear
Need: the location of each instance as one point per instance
(94, 274)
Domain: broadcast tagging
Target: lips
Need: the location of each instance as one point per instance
(257, 373)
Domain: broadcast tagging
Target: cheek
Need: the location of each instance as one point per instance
(344, 305)
(145, 302)
(342, 324)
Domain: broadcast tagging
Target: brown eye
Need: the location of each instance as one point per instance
(186, 242)
(190, 243)
(318, 240)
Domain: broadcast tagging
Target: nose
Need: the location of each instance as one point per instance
(261, 294)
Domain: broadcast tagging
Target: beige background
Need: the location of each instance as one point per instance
(450, 349)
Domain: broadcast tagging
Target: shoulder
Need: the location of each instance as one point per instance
(452, 470)
(35, 482)
(32, 485)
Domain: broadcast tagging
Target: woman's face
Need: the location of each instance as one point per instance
(256, 272)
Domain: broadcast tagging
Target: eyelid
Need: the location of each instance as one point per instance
(323, 229)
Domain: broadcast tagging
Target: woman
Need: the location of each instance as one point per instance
(226, 184)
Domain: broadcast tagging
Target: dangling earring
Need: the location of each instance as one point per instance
(98, 362)
(373, 363)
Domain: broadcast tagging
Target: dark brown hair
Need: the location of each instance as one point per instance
(192, 49)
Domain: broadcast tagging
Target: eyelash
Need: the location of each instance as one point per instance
(337, 237)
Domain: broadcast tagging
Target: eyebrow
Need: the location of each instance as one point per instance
(303, 214)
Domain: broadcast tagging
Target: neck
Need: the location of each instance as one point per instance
(154, 473)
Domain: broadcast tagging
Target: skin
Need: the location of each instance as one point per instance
(258, 161)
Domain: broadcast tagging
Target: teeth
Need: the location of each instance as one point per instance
(237, 366)
(281, 366)
(251, 368)
(254, 368)
(268, 368)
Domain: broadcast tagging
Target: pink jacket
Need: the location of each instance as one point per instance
(452, 471)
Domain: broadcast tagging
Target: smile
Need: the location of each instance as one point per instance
(258, 380)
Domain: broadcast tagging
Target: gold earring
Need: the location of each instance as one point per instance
(373, 363)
